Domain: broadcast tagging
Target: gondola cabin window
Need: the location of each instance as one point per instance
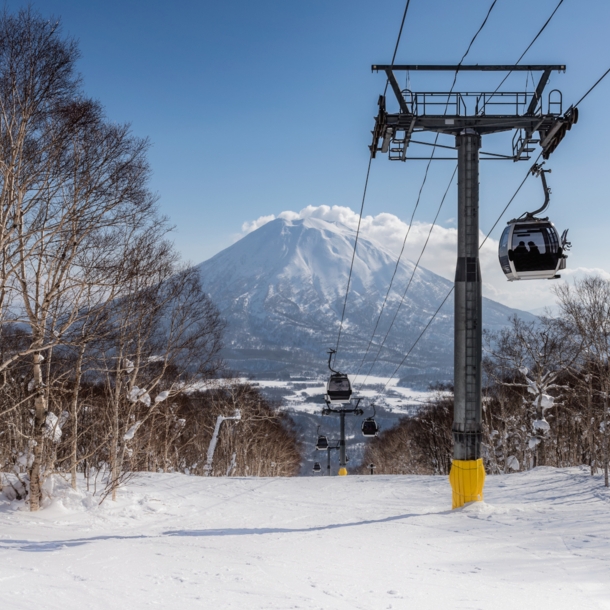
(534, 248)
(530, 250)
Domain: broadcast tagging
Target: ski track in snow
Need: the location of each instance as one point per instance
(540, 540)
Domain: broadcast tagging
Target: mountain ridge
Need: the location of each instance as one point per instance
(281, 289)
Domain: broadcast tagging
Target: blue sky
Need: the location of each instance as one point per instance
(254, 108)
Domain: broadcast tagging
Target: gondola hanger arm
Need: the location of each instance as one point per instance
(331, 353)
(537, 170)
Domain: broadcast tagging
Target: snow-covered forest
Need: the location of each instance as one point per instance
(107, 339)
(545, 401)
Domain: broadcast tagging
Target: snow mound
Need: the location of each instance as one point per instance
(58, 495)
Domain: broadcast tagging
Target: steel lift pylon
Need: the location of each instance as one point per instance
(468, 116)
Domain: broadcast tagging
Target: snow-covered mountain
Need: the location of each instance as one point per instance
(281, 290)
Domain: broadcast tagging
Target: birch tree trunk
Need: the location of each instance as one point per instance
(40, 408)
(74, 414)
(605, 449)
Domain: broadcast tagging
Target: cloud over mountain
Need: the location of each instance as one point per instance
(439, 255)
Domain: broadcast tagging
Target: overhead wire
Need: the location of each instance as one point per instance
(482, 244)
(349, 277)
(402, 23)
(404, 242)
(472, 42)
(529, 46)
(415, 209)
(416, 266)
(509, 202)
(599, 80)
(366, 182)
(452, 288)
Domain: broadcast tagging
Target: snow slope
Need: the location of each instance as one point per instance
(540, 541)
(282, 288)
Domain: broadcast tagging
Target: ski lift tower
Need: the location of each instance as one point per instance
(468, 116)
(342, 412)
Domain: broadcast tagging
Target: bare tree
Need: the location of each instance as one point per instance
(166, 334)
(540, 353)
(420, 444)
(586, 309)
(104, 333)
(68, 180)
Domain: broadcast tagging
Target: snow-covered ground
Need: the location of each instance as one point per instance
(540, 541)
(307, 396)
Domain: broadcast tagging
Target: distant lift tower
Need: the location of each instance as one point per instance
(342, 412)
(469, 116)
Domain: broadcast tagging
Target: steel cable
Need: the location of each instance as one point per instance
(529, 46)
(450, 291)
(349, 277)
(601, 78)
(416, 266)
(404, 16)
(417, 205)
(368, 171)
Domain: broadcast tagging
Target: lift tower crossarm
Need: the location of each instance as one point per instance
(468, 68)
(401, 100)
(484, 112)
(545, 69)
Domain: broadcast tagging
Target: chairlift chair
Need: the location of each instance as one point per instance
(531, 248)
(317, 467)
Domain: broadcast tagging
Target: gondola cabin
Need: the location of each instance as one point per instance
(338, 389)
(531, 249)
(322, 444)
(317, 467)
(369, 427)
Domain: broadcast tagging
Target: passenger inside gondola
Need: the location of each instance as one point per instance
(533, 249)
(534, 258)
(520, 255)
(521, 249)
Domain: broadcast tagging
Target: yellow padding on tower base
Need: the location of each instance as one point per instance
(467, 478)
(342, 472)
